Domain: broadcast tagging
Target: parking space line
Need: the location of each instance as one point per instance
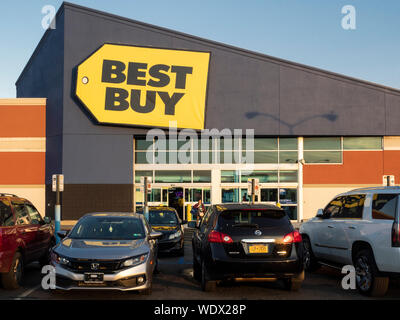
(27, 293)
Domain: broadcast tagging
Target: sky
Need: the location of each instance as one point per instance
(309, 32)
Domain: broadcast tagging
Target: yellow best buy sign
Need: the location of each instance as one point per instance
(132, 85)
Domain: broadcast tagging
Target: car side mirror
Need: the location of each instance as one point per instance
(47, 220)
(62, 233)
(192, 224)
(320, 213)
(154, 235)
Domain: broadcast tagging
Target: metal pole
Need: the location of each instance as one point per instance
(253, 191)
(57, 211)
(146, 208)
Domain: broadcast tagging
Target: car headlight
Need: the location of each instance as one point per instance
(59, 259)
(135, 261)
(174, 235)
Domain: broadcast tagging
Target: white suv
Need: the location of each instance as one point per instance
(359, 228)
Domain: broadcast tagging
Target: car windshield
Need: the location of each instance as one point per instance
(158, 217)
(253, 218)
(108, 228)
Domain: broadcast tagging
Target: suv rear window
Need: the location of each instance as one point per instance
(257, 218)
(384, 206)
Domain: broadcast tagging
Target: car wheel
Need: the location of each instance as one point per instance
(367, 276)
(294, 284)
(206, 284)
(12, 279)
(310, 262)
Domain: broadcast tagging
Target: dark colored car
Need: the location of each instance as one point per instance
(166, 220)
(243, 241)
(24, 237)
(107, 251)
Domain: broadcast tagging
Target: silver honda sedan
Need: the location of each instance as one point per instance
(113, 251)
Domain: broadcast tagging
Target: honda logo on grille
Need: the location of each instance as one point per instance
(94, 266)
(258, 233)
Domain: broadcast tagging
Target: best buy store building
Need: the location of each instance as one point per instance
(109, 81)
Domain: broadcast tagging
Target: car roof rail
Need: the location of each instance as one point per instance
(2, 194)
(377, 188)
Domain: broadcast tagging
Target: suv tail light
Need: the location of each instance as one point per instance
(218, 237)
(292, 237)
(396, 234)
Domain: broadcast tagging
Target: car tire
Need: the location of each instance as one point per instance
(368, 281)
(294, 284)
(196, 270)
(310, 262)
(12, 279)
(206, 284)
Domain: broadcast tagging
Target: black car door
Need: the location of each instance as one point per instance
(200, 235)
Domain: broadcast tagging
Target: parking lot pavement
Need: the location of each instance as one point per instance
(175, 282)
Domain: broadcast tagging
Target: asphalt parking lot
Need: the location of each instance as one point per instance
(175, 282)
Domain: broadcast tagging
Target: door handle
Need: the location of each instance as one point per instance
(331, 227)
(352, 227)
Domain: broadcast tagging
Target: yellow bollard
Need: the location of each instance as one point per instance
(188, 213)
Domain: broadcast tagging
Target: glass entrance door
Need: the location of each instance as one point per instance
(176, 200)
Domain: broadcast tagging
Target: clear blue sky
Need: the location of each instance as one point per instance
(304, 31)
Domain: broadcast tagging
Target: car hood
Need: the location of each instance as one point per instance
(101, 249)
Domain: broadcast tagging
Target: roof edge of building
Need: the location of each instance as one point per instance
(23, 101)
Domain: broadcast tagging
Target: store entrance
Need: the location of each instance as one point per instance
(176, 200)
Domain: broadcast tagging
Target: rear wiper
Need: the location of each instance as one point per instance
(249, 225)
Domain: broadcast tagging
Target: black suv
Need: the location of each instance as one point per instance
(243, 241)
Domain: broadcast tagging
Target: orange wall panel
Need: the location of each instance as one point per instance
(359, 167)
(22, 121)
(392, 164)
(22, 168)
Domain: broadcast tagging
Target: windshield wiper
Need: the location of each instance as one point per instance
(244, 225)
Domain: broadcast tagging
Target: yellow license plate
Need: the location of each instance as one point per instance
(259, 248)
